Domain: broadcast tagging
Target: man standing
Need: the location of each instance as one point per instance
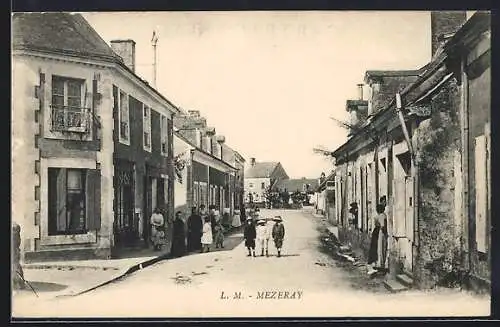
(179, 237)
(194, 226)
(278, 234)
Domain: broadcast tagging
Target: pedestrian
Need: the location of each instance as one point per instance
(194, 229)
(206, 238)
(179, 237)
(249, 234)
(211, 214)
(378, 243)
(263, 235)
(219, 235)
(203, 211)
(236, 223)
(243, 214)
(157, 229)
(278, 234)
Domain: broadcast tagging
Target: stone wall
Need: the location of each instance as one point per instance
(438, 142)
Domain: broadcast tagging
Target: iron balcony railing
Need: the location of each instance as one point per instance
(70, 119)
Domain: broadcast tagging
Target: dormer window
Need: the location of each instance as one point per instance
(69, 110)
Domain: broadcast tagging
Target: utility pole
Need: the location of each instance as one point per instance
(154, 41)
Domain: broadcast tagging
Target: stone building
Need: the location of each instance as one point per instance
(92, 141)
(419, 154)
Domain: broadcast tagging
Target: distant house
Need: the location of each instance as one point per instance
(259, 177)
(306, 185)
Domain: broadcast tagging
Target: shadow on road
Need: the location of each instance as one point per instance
(355, 275)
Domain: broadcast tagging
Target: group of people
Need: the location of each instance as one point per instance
(263, 232)
(158, 233)
(204, 228)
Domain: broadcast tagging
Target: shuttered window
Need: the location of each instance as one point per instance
(74, 200)
(481, 182)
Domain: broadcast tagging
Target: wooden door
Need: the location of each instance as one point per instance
(409, 224)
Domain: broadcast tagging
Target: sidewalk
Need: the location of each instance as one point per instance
(66, 278)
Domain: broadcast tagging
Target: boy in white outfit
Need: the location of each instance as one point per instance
(263, 236)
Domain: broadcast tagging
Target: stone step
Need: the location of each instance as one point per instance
(394, 286)
(405, 280)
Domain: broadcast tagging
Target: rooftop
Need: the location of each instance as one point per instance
(261, 170)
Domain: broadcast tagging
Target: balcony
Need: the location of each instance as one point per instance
(70, 119)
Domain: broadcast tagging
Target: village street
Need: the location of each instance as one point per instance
(304, 282)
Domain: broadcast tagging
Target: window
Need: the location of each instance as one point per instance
(146, 127)
(263, 185)
(124, 117)
(66, 194)
(69, 110)
(250, 185)
(164, 135)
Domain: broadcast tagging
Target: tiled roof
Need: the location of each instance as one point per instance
(386, 73)
(59, 32)
(293, 185)
(261, 170)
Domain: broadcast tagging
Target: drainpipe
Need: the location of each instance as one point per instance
(465, 161)
(414, 174)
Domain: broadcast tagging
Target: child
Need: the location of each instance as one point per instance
(263, 236)
(250, 235)
(278, 234)
(206, 238)
(219, 235)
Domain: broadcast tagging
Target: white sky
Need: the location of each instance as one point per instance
(269, 81)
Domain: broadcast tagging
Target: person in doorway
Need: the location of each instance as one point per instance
(179, 237)
(278, 234)
(157, 229)
(263, 236)
(249, 234)
(378, 244)
(206, 238)
(194, 229)
(219, 234)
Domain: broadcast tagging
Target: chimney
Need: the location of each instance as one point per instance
(443, 25)
(252, 162)
(360, 91)
(126, 50)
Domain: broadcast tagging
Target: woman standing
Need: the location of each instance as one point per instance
(378, 244)
(236, 223)
(157, 233)
(179, 236)
(207, 238)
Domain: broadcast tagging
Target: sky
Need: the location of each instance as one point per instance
(270, 81)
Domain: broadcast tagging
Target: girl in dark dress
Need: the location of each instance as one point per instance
(250, 234)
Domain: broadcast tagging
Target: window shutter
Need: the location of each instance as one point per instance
(480, 185)
(399, 208)
(169, 138)
(93, 195)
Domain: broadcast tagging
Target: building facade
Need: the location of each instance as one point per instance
(418, 152)
(65, 139)
(210, 171)
(259, 177)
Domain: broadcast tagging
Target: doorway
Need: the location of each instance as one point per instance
(403, 209)
(124, 206)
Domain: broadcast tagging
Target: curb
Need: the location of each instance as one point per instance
(129, 271)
